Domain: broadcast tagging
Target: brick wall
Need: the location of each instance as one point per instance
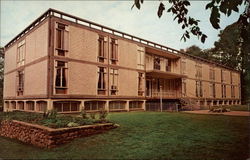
(45, 137)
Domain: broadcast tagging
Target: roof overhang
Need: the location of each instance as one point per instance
(161, 53)
(163, 74)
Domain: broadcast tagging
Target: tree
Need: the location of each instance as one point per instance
(1, 75)
(191, 25)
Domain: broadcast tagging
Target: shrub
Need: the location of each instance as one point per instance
(51, 114)
(103, 114)
(92, 115)
(72, 124)
(84, 114)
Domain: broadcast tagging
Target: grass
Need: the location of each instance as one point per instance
(151, 135)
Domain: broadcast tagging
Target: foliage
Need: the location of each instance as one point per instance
(51, 114)
(103, 114)
(84, 114)
(191, 25)
(151, 135)
(1, 77)
(233, 107)
(50, 119)
(92, 115)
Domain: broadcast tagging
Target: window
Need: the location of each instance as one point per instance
(94, 105)
(198, 71)
(140, 57)
(140, 84)
(113, 81)
(184, 87)
(20, 84)
(21, 53)
(183, 67)
(212, 74)
(168, 65)
(157, 63)
(199, 91)
(102, 48)
(117, 105)
(231, 77)
(212, 90)
(66, 106)
(135, 104)
(232, 91)
(62, 39)
(222, 76)
(61, 77)
(223, 90)
(101, 81)
(114, 51)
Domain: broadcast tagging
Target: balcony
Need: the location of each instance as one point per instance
(165, 75)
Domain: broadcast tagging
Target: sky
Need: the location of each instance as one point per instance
(116, 14)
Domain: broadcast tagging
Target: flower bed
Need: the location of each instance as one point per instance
(34, 128)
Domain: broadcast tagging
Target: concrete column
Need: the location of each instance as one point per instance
(107, 106)
(49, 104)
(5, 107)
(205, 102)
(82, 105)
(127, 106)
(35, 106)
(25, 106)
(144, 105)
(223, 103)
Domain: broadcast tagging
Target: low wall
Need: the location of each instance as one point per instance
(45, 137)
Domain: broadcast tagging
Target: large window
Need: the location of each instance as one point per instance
(157, 63)
(211, 74)
(232, 91)
(183, 67)
(102, 48)
(222, 76)
(61, 77)
(140, 84)
(94, 105)
(20, 84)
(184, 87)
(140, 57)
(102, 80)
(198, 70)
(21, 53)
(223, 90)
(168, 65)
(212, 90)
(66, 106)
(114, 51)
(62, 39)
(199, 90)
(113, 81)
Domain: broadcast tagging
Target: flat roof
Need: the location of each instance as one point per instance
(55, 13)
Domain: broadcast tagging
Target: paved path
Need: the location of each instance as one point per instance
(231, 113)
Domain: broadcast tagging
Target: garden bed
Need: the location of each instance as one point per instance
(50, 131)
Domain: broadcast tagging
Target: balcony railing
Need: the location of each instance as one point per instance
(164, 94)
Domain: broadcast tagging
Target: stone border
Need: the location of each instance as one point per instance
(46, 137)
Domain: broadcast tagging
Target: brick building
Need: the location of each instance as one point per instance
(64, 62)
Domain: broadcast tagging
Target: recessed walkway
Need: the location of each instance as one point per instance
(231, 113)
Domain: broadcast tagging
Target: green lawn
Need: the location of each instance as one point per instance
(151, 135)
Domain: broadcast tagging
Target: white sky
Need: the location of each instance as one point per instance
(144, 23)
